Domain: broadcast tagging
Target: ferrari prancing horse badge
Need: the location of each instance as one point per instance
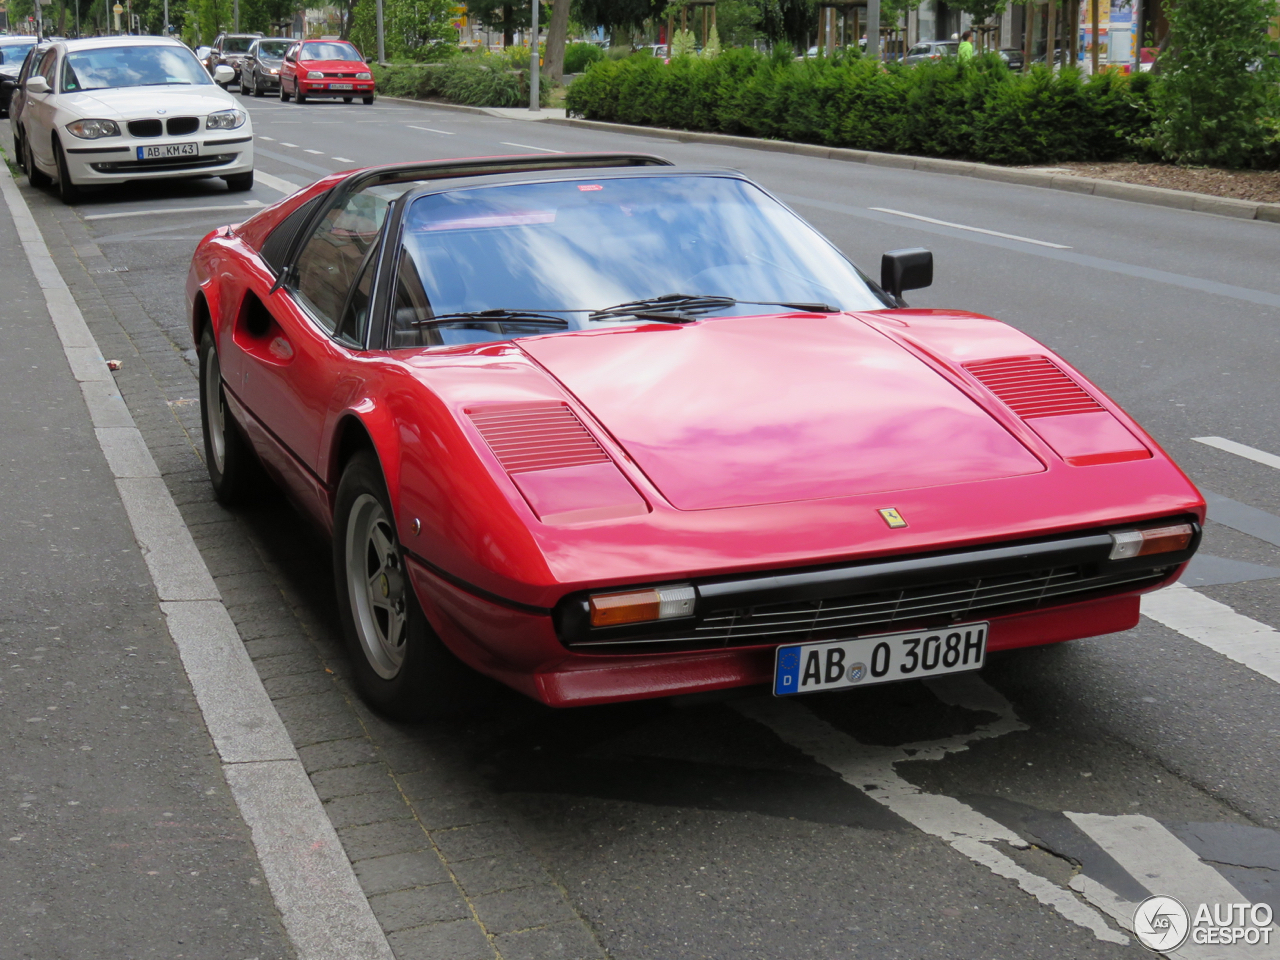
(893, 518)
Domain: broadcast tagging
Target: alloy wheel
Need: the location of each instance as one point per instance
(377, 586)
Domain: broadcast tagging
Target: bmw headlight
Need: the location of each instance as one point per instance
(364, 76)
(225, 120)
(93, 129)
(314, 75)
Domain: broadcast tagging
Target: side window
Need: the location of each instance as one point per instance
(328, 265)
(276, 247)
(45, 69)
(355, 317)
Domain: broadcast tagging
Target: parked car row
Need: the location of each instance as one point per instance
(293, 69)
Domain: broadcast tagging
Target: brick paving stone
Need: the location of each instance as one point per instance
(287, 666)
(299, 685)
(458, 940)
(522, 908)
(490, 874)
(383, 839)
(350, 781)
(400, 871)
(561, 941)
(336, 754)
(307, 730)
(481, 840)
(418, 907)
(364, 808)
(439, 779)
(277, 646)
(438, 813)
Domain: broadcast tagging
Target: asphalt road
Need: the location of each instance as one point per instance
(737, 827)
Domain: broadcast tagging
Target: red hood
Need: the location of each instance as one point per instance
(334, 66)
(848, 412)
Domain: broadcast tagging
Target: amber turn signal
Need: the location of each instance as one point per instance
(1126, 544)
(639, 606)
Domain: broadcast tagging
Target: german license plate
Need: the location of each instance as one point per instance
(833, 665)
(163, 151)
(340, 86)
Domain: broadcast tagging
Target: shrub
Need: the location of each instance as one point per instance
(1216, 102)
(977, 109)
(479, 80)
(579, 56)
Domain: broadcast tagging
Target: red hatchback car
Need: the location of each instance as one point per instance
(602, 429)
(325, 68)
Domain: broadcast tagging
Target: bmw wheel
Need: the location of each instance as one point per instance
(401, 667)
(35, 176)
(233, 467)
(68, 192)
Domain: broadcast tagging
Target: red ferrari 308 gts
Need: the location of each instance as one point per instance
(603, 428)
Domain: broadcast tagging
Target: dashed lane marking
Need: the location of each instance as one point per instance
(248, 204)
(284, 144)
(318, 153)
(287, 187)
(525, 146)
(1241, 450)
(1218, 627)
(342, 159)
(871, 770)
(961, 226)
(261, 137)
(447, 133)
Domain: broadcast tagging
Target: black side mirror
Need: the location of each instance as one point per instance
(909, 269)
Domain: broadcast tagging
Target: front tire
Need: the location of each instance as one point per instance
(233, 467)
(284, 97)
(258, 91)
(35, 176)
(239, 182)
(400, 666)
(346, 99)
(68, 192)
(368, 101)
(299, 96)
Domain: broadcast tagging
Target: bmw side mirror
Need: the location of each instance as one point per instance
(909, 269)
(37, 85)
(223, 73)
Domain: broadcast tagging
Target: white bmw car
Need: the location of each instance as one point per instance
(110, 109)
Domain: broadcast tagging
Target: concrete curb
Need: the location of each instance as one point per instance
(1110, 189)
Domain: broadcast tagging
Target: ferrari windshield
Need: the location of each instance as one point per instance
(150, 65)
(578, 248)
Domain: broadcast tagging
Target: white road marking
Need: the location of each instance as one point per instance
(283, 144)
(261, 137)
(961, 226)
(342, 159)
(247, 205)
(447, 133)
(1240, 450)
(871, 770)
(286, 187)
(1167, 867)
(324, 911)
(1218, 627)
(316, 152)
(526, 146)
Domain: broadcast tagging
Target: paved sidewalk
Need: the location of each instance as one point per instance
(120, 836)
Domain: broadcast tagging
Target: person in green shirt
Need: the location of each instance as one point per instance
(965, 52)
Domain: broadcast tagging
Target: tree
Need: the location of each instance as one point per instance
(616, 15)
(410, 27)
(557, 32)
(1216, 102)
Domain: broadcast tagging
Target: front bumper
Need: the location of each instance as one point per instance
(222, 153)
(324, 88)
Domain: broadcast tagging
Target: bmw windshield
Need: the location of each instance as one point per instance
(105, 68)
(610, 250)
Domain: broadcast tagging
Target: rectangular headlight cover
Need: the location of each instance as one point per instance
(1126, 544)
(640, 606)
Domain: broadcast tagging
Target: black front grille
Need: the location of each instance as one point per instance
(174, 163)
(341, 76)
(146, 128)
(933, 604)
(181, 126)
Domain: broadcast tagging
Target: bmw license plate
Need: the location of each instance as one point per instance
(833, 665)
(340, 86)
(163, 151)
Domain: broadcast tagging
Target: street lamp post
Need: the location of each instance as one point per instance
(382, 40)
(873, 29)
(535, 68)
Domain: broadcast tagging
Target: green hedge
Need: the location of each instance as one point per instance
(978, 110)
(579, 56)
(479, 80)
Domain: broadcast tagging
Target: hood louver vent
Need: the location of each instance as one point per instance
(1033, 387)
(536, 436)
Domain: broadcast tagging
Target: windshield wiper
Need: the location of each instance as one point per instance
(686, 308)
(494, 316)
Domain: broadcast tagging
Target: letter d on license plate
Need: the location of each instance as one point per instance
(810, 667)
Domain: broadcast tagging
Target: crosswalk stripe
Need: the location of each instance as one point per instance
(1218, 627)
(1167, 867)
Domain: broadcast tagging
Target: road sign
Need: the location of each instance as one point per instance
(117, 9)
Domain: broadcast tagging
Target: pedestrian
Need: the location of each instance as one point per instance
(965, 52)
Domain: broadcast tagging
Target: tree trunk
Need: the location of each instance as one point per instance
(508, 25)
(1093, 28)
(557, 29)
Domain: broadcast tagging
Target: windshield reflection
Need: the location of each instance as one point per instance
(582, 246)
